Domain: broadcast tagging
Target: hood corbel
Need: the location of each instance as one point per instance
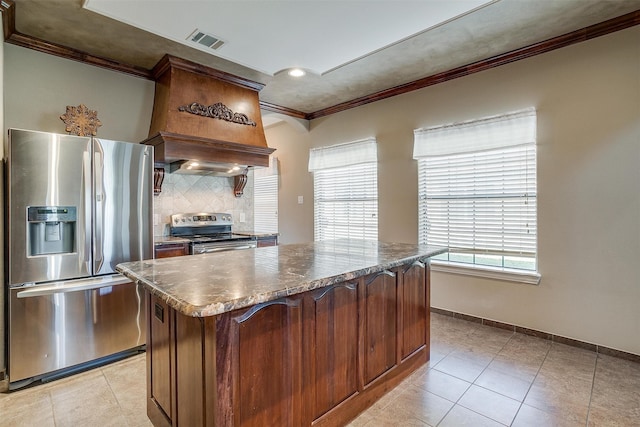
(240, 181)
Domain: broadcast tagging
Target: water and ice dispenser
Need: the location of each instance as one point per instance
(51, 230)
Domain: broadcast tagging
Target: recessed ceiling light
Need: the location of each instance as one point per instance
(296, 72)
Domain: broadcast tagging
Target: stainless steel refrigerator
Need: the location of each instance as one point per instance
(76, 207)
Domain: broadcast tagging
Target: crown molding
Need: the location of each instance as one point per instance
(584, 34)
(7, 7)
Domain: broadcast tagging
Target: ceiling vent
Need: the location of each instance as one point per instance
(207, 40)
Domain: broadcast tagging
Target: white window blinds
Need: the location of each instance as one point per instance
(477, 190)
(345, 182)
(265, 198)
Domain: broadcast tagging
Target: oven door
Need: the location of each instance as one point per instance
(224, 245)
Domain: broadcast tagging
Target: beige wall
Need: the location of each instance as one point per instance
(295, 221)
(588, 102)
(38, 88)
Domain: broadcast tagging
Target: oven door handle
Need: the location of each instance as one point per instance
(224, 248)
(73, 286)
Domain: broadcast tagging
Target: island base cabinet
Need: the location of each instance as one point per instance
(414, 295)
(314, 359)
(380, 320)
(331, 347)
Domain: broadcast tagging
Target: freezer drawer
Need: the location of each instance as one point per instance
(60, 325)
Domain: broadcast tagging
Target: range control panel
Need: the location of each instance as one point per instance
(201, 219)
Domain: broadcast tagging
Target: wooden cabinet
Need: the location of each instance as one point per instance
(165, 250)
(181, 380)
(414, 297)
(334, 337)
(317, 358)
(260, 356)
(380, 324)
(267, 241)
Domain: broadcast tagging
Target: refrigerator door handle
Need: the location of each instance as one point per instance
(87, 208)
(73, 286)
(99, 208)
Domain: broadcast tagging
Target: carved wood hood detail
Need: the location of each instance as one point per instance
(217, 111)
(189, 98)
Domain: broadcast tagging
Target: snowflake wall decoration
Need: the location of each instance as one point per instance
(81, 121)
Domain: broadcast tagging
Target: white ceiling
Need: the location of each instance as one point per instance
(271, 36)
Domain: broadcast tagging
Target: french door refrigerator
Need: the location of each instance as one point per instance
(76, 207)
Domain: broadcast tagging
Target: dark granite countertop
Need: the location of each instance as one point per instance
(210, 284)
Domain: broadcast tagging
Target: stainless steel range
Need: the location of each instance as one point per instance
(209, 232)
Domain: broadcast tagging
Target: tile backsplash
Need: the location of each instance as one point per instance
(199, 193)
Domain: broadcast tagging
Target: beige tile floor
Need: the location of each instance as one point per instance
(478, 376)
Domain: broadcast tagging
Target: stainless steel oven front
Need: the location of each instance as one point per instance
(223, 245)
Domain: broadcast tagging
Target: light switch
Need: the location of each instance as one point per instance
(156, 219)
(300, 200)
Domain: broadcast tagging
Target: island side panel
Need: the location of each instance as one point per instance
(181, 379)
(159, 362)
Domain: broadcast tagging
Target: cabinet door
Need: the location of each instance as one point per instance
(267, 241)
(335, 332)
(414, 308)
(380, 341)
(266, 348)
(171, 250)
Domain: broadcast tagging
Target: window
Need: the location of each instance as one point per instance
(345, 185)
(265, 198)
(477, 193)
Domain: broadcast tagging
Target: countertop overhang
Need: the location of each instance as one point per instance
(211, 284)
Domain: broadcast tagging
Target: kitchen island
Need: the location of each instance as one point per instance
(290, 335)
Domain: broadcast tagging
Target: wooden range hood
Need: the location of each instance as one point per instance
(205, 116)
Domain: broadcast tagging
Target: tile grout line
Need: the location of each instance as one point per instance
(115, 396)
(456, 402)
(53, 411)
(593, 384)
(532, 382)
(513, 334)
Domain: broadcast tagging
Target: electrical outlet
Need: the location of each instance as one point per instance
(243, 218)
(300, 200)
(156, 219)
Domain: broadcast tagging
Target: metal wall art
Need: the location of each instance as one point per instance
(81, 121)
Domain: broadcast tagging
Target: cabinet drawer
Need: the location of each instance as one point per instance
(166, 250)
